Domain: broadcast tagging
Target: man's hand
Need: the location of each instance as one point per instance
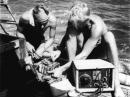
(56, 72)
(28, 61)
(44, 47)
(30, 47)
(55, 55)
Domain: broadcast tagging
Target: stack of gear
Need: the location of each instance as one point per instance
(41, 66)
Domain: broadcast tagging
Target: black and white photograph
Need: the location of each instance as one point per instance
(64, 48)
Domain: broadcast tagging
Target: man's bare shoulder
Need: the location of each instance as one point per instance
(96, 18)
(99, 27)
(52, 18)
(27, 17)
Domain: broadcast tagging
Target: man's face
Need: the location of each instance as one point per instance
(41, 16)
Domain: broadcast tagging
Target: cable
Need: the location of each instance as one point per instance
(99, 88)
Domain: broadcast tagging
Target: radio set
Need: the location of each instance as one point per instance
(92, 74)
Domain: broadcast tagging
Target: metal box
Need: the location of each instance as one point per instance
(89, 74)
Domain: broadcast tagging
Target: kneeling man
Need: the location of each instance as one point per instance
(88, 37)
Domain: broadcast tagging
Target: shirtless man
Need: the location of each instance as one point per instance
(87, 37)
(32, 26)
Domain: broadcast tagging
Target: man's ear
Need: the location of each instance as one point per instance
(36, 9)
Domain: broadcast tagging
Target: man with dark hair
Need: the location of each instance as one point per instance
(87, 37)
(33, 24)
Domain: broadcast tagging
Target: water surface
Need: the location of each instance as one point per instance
(115, 13)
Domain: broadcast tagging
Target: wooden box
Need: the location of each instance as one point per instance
(92, 74)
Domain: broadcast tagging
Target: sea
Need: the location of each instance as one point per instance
(115, 13)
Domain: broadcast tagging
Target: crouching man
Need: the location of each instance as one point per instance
(87, 37)
(32, 26)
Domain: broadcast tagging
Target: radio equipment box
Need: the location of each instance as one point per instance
(91, 74)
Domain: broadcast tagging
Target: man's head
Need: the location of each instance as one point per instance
(40, 13)
(80, 9)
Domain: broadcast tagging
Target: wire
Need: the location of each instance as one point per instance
(99, 88)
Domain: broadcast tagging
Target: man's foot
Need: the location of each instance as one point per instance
(119, 92)
(73, 93)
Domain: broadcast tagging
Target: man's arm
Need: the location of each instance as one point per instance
(26, 59)
(71, 44)
(71, 50)
(87, 49)
(110, 39)
(52, 32)
(90, 43)
(21, 35)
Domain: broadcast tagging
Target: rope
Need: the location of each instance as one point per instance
(99, 88)
(4, 29)
(10, 12)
